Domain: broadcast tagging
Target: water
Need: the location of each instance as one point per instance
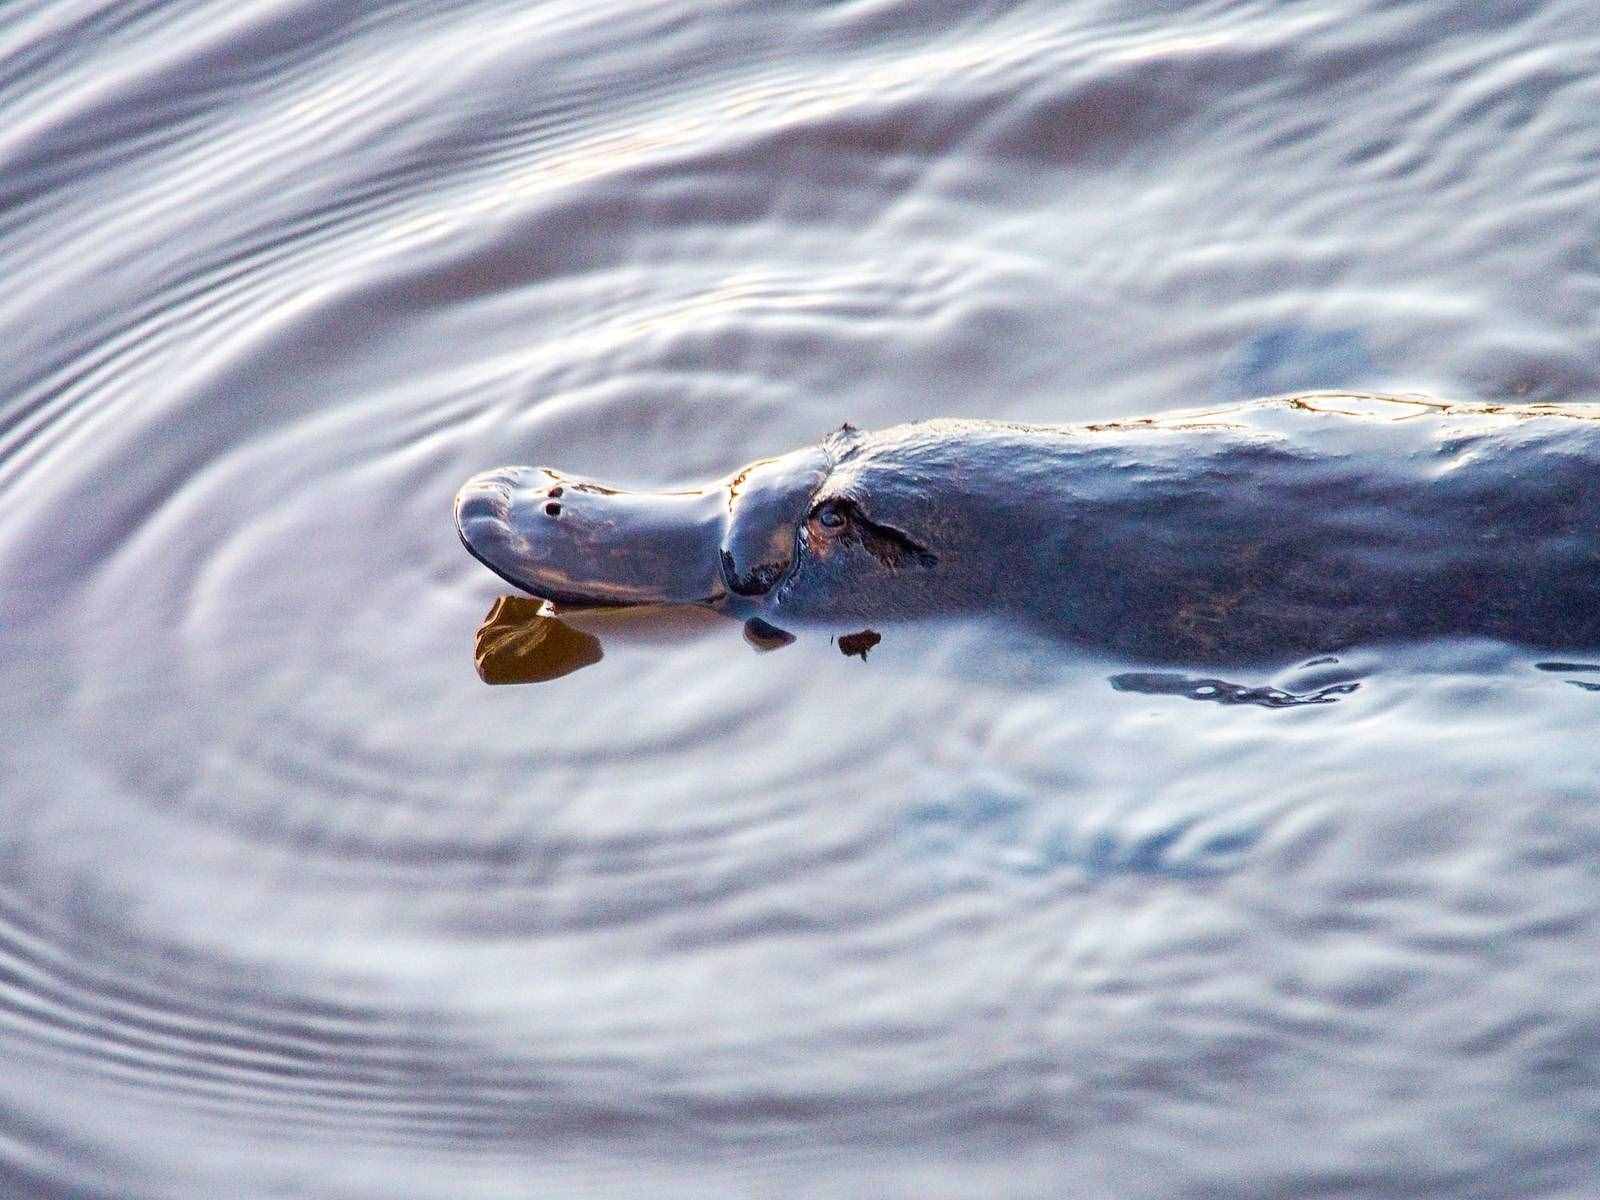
(292, 904)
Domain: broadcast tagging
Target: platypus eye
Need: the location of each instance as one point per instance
(831, 516)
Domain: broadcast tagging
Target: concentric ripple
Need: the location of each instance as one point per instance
(292, 904)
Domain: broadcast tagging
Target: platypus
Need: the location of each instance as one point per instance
(1259, 531)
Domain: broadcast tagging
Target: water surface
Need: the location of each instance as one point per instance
(291, 903)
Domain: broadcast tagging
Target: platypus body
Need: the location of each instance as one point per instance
(1262, 531)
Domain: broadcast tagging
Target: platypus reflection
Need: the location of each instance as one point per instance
(1261, 531)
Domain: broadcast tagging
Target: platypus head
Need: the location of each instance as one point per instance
(855, 527)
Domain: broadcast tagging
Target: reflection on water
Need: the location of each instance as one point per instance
(1572, 668)
(1220, 691)
(522, 641)
(765, 636)
(1294, 358)
(857, 644)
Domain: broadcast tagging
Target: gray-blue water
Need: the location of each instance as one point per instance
(291, 904)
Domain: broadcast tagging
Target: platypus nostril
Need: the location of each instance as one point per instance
(552, 509)
(555, 491)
